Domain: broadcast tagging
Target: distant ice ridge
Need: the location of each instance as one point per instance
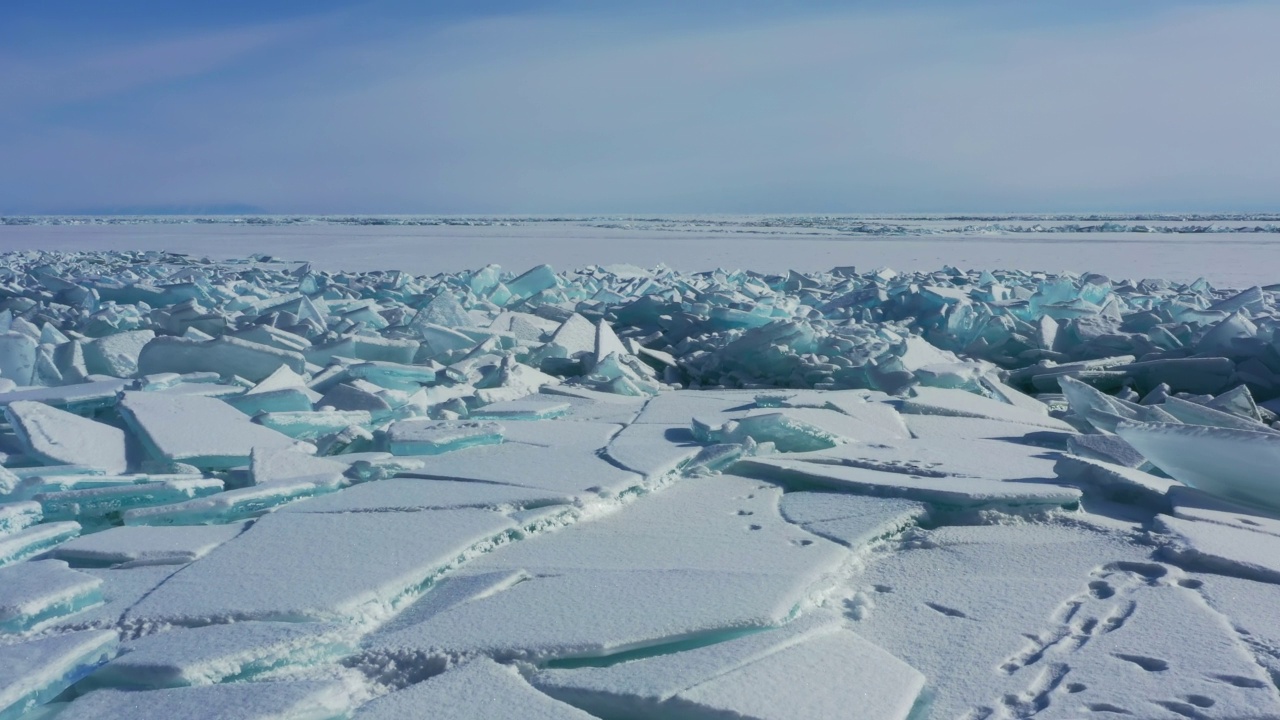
(865, 225)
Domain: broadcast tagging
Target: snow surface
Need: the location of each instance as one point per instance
(725, 495)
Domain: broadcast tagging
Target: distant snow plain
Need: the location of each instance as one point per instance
(1179, 248)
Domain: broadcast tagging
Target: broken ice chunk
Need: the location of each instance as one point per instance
(220, 653)
(38, 670)
(295, 700)
(15, 516)
(271, 464)
(850, 520)
(224, 355)
(35, 539)
(526, 409)
(1117, 482)
(479, 689)
(786, 432)
(1239, 465)
(17, 357)
(203, 432)
(110, 502)
(433, 437)
(116, 354)
(81, 397)
(137, 546)
(57, 437)
(32, 593)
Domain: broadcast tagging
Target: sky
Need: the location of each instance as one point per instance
(576, 107)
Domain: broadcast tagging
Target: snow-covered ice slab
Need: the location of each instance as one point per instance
(950, 455)
(851, 520)
(1238, 465)
(531, 466)
(35, 592)
(1215, 547)
(200, 431)
(222, 653)
(321, 566)
(946, 491)
(479, 689)
(35, 539)
(38, 670)
(959, 403)
(532, 408)
(142, 545)
(634, 579)
(763, 676)
(57, 437)
(433, 437)
(15, 516)
(414, 494)
(295, 700)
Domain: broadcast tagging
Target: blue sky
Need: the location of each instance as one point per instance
(679, 107)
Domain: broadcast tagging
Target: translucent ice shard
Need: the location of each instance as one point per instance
(138, 546)
(222, 653)
(57, 437)
(433, 437)
(200, 431)
(32, 593)
(505, 696)
(38, 670)
(1238, 465)
(93, 504)
(15, 516)
(232, 505)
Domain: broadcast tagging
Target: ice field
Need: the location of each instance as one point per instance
(383, 478)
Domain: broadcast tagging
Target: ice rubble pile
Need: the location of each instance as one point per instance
(283, 492)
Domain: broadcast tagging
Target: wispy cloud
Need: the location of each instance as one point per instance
(855, 111)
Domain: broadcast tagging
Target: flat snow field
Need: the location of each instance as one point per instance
(1227, 259)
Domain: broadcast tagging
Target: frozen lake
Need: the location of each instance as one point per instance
(1141, 249)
